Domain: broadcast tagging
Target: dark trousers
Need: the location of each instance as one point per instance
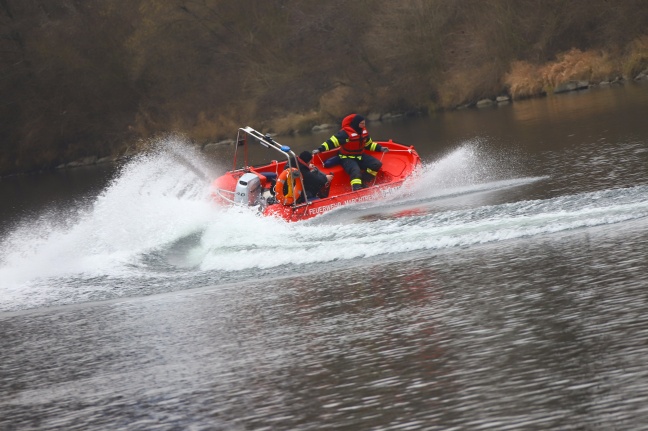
(354, 166)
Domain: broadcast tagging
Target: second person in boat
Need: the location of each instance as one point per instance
(353, 139)
(316, 183)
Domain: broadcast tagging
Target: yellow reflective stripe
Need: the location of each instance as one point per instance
(372, 145)
(334, 141)
(356, 181)
(372, 172)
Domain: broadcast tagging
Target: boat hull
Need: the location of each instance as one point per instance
(320, 206)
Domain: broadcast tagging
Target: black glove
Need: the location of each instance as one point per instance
(385, 150)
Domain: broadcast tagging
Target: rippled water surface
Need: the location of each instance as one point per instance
(505, 288)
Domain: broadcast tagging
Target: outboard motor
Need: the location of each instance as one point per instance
(248, 190)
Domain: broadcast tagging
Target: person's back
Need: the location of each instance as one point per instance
(314, 180)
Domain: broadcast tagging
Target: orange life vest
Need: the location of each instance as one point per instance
(355, 142)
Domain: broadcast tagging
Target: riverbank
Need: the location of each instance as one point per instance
(306, 128)
(84, 82)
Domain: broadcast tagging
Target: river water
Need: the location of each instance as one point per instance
(506, 289)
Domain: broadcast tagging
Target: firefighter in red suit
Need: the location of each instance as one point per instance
(353, 139)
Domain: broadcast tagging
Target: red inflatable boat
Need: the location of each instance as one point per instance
(254, 183)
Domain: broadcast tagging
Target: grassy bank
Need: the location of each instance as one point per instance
(86, 79)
